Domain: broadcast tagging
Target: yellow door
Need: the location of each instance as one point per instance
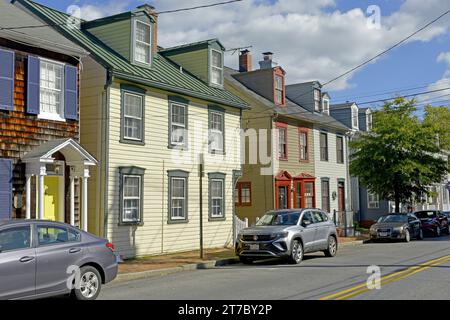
(51, 198)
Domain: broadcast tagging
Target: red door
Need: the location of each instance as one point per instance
(341, 196)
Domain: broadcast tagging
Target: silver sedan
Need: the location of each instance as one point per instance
(43, 258)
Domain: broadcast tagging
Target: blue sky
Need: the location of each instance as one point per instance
(414, 64)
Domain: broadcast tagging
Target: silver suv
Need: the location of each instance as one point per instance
(288, 234)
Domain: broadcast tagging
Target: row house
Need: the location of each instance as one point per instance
(164, 129)
(44, 170)
(295, 156)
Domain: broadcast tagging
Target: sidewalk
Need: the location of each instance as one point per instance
(153, 266)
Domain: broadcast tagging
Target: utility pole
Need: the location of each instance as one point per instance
(201, 174)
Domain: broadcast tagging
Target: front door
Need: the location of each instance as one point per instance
(51, 198)
(282, 197)
(341, 196)
(17, 263)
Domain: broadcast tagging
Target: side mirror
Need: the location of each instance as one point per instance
(306, 223)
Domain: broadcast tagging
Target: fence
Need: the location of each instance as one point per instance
(239, 225)
(344, 222)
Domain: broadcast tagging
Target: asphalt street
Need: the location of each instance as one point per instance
(415, 270)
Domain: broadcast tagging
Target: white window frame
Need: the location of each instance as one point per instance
(48, 115)
(371, 204)
(179, 125)
(217, 68)
(327, 103)
(282, 143)
(149, 44)
(222, 198)
(369, 121)
(172, 217)
(141, 119)
(139, 198)
(211, 130)
(279, 90)
(317, 98)
(355, 115)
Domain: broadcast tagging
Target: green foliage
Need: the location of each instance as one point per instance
(438, 120)
(400, 157)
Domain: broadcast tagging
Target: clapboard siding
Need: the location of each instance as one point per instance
(156, 235)
(196, 62)
(116, 35)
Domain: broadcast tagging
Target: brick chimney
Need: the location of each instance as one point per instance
(267, 62)
(150, 10)
(245, 61)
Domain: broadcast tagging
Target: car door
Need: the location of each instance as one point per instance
(58, 247)
(414, 225)
(17, 263)
(321, 237)
(308, 231)
(442, 220)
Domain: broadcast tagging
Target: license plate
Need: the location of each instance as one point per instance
(254, 247)
(383, 234)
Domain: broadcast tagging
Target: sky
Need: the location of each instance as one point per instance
(316, 40)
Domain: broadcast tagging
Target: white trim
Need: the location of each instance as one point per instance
(178, 124)
(172, 217)
(375, 204)
(222, 133)
(139, 198)
(51, 115)
(222, 214)
(221, 68)
(149, 44)
(141, 119)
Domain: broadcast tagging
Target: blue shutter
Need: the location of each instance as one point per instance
(71, 92)
(7, 80)
(5, 188)
(33, 93)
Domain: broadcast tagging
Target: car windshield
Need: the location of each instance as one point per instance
(425, 214)
(279, 219)
(393, 218)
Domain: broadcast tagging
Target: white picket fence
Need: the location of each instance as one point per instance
(239, 225)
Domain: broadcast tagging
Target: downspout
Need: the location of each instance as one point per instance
(106, 153)
(349, 183)
(236, 177)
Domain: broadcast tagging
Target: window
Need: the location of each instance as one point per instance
(309, 196)
(325, 195)
(216, 131)
(373, 200)
(131, 198)
(15, 239)
(131, 195)
(178, 124)
(216, 195)
(355, 117)
(178, 196)
(279, 91)
(48, 235)
(243, 194)
(317, 100)
(142, 45)
(133, 106)
(282, 142)
(318, 217)
(216, 67)
(51, 90)
(326, 106)
(303, 145)
(339, 149)
(323, 146)
(369, 121)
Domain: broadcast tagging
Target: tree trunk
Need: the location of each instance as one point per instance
(397, 203)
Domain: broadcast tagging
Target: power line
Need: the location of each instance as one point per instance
(381, 53)
(200, 7)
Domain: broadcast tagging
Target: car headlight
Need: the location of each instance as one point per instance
(399, 229)
(280, 235)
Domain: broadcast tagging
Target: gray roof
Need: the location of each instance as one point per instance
(342, 105)
(291, 109)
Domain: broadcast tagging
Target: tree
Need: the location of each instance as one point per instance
(400, 156)
(438, 120)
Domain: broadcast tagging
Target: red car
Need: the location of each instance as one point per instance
(433, 221)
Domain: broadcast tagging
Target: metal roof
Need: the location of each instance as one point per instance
(164, 74)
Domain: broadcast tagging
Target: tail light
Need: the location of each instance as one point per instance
(110, 246)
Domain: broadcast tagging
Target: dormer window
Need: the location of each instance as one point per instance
(317, 100)
(142, 45)
(355, 123)
(326, 106)
(279, 90)
(216, 68)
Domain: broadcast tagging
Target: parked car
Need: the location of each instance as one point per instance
(433, 222)
(288, 234)
(42, 259)
(447, 214)
(397, 227)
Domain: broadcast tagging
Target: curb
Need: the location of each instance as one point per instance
(162, 272)
(351, 243)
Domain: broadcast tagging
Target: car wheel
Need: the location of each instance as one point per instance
(332, 247)
(245, 260)
(90, 284)
(296, 253)
(407, 236)
(420, 235)
(438, 231)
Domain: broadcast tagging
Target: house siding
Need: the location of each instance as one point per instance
(196, 62)
(116, 35)
(155, 235)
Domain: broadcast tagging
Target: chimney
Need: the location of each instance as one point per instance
(245, 61)
(150, 10)
(268, 62)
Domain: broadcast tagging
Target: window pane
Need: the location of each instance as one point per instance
(133, 105)
(52, 235)
(131, 186)
(178, 114)
(178, 188)
(15, 238)
(216, 75)
(217, 59)
(216, 188)
(142, 53)
(142, 32)
(51, 84)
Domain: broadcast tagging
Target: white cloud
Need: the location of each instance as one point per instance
(310, 39)
(444, 57)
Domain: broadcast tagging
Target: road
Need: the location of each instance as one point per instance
(415, 270)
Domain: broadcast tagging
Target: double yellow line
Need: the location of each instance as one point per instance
(361, 288)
